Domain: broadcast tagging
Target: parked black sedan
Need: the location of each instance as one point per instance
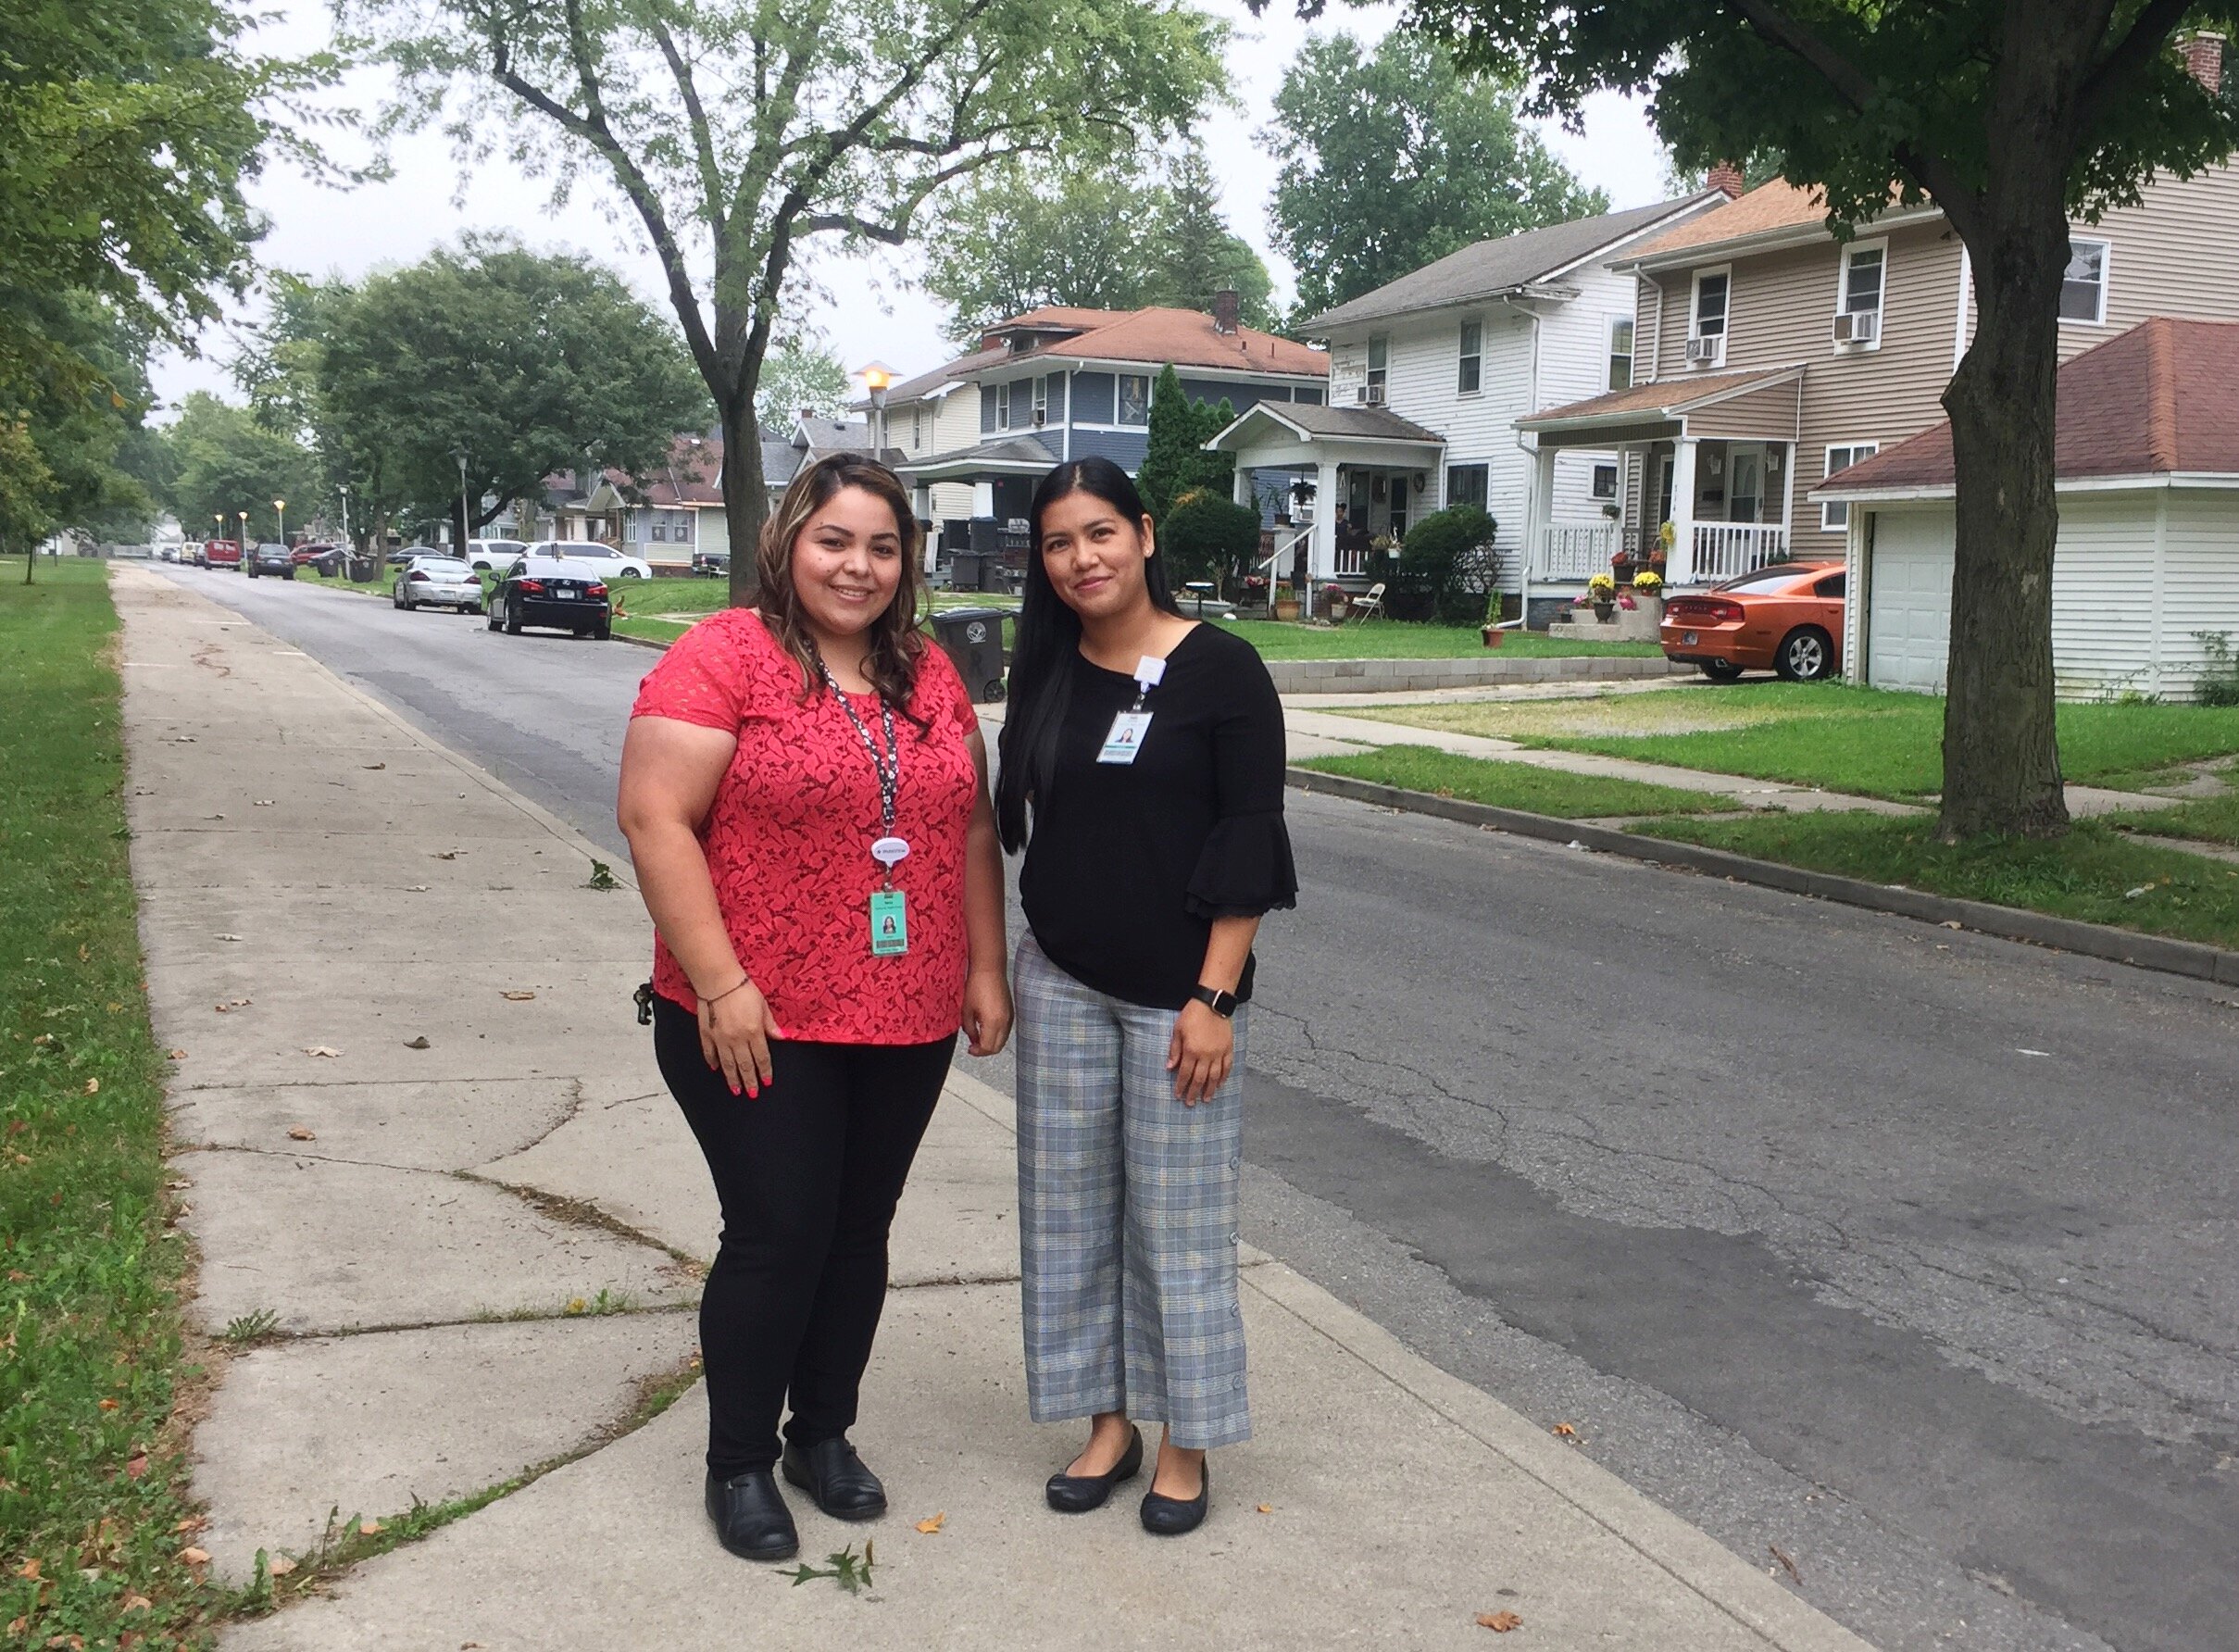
(552, 591)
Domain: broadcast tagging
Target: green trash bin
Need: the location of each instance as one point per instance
(972, 638)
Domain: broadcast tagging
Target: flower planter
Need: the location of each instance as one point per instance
(1286, 607)
(1492, 634)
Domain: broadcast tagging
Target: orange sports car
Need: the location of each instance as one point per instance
(1787, 617)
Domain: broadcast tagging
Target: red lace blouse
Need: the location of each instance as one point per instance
(788, 836)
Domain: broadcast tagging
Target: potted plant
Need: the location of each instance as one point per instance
(1336, 600)
(1286, 602)
(1490, 631)
(1601, 593)
(1648, 585)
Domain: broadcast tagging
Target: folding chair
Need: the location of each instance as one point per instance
(1369, 606)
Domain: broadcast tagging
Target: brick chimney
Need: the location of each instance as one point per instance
(1225, 311)
(1727, 177)
(2204, 60)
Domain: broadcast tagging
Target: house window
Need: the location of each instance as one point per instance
(1379, 373)
(1135, 399)
(917, 429)
(1040, 401)
(1471, 375)
(1621, 352)
(1858, 299)
(1706, 320)
(2083, 282)
(1605, 481)
(1467, 484)
(660, 531)
(1002, 407)
(1834, 515)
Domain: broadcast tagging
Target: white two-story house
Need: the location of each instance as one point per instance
(1429, 374)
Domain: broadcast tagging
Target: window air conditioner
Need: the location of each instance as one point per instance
(1702, 350)
(1040, 417)
(1857, 327)
(1373, 396)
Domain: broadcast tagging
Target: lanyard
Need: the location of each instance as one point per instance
(888, 765)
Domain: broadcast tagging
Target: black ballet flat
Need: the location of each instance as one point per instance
(1172, 1517)
(750, 1517)
(830, 1473)
(1077, 1494)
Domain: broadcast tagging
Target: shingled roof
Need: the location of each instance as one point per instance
(1490, 267)
(2162, 398)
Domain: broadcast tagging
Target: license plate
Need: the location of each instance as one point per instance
(564, 588)
(1690, 639)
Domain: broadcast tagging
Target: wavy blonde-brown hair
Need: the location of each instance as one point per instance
(896, 641)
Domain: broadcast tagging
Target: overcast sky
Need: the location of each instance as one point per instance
(873, 310)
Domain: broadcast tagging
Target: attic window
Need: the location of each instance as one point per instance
(2083, 282)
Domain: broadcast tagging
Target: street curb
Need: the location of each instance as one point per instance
(2192, 958)
(1691, 1558)
(653, 643)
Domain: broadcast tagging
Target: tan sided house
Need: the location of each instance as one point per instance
(1772, 356)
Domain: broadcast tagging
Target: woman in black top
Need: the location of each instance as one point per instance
(1148, 750)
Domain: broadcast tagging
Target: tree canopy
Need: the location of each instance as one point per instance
(1095, 236)
(1392, 158)
(797, 374)
(228, 461)
(742, 134)
(2010, 115)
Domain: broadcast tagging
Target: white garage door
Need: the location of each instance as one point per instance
(1908, 601)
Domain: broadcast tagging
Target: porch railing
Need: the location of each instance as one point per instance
(1352, 561)
(1574, 552)
(1725, 549)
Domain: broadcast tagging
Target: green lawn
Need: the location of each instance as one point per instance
(1399, 639)
(92, 1476)
(1516, 785)
(2211, 820)
(2093, 874)
(1867, 740)
(381, 587)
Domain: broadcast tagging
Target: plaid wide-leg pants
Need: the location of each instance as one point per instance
(1127, 1217)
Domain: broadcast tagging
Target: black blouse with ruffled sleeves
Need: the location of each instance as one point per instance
(1128, 864)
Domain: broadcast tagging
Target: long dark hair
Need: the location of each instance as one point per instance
(896, 640)
(1048, 654)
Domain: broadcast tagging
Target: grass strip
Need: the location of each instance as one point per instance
(93, 1510)
(1403, 639)
(2209, 820)
(1517, 785)
(2093, 874)
(1881, 743)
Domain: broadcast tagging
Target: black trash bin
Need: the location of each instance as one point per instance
(972, 638)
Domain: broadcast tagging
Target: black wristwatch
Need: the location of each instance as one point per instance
(1221, 1003)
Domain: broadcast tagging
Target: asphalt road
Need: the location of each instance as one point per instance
(1905, 1258)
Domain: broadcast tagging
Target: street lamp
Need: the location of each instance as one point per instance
(344, 488)
(279, 509)
(465, 524)
(878, 377)
(245, 532)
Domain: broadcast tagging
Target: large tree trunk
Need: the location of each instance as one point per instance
(2001, 758)
(745, 501)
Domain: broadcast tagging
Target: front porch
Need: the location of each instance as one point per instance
(1382, 469)
(1704, 480)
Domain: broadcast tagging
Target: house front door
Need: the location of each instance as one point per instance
(1745, 483)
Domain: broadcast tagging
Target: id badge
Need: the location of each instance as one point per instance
(889, 924)
(1126, 738)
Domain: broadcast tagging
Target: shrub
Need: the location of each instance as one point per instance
(1445, 566)
(1207, 537)
(2220, 677)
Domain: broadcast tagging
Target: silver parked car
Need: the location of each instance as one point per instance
(438, 583)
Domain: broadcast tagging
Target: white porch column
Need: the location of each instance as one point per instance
(1788, 465)
(1323, 563)
(1242, 491)
(984, 498)
(1539, 504)
(1680, 569)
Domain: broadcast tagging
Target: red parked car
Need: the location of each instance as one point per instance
(1787, 617)
(220, 553)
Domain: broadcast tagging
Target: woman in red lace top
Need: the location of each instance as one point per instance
(805, 791)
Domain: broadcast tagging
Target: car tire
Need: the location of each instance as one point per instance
(513, 621)
(490, 619)
(1806, 655)
(603, 632)
(396, 600)
(1720, 671)
(287, 573)
(632, 573)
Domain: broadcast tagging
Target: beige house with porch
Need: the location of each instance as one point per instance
(1771, 356)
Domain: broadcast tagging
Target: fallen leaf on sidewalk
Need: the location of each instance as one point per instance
(1267, 1509)
(517, 997)
(1563, 1430)
(190, 1556)
(1787, 1565)
(264, 803)
(370, 1527)
(1499, 1623)
(192, 1522)
(280, 1565)
(374, 764)
(224, 937)
(929, 1526)
(416, 889)
(450, 854)
(418, 1044)
(1953, 924)
(178, 1055)
(298, 1133)
(319, 1049)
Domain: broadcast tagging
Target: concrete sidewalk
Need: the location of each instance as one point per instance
(418, 1223)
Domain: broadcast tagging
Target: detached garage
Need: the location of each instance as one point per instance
(2147, 470)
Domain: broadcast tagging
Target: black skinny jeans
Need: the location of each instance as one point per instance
(808, 1174)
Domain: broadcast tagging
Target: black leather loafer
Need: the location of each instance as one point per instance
(750, 1517)
(831, 1473)
(1077, 1494)
(1170, 1517)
